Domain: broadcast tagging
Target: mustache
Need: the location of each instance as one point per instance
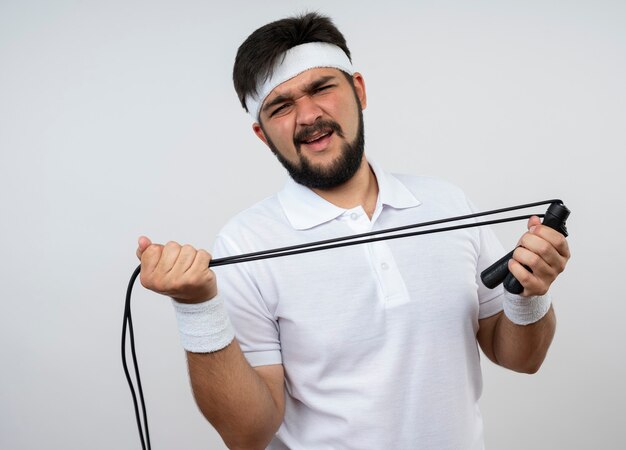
(320, 125)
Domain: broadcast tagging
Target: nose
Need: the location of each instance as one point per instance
(307, 111)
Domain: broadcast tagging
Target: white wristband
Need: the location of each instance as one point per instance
(204, 327)
(525, 310)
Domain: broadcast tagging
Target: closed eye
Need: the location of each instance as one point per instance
(280, 109)
(324, 88)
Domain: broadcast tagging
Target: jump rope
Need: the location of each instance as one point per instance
(497, 273)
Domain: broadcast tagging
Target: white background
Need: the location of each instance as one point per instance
(119, 118)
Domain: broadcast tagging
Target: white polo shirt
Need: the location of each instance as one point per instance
(378, 341)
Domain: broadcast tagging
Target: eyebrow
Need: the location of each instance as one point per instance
(309, 88)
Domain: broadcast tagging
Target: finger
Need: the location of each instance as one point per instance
(185, 259)
(555, 238)
(150, 258)
(202, 260)
(538, 266)
(199, 272)
(197, 283)
(531, 283)
(201, 269)
(544, 249)
(533, 221)
(168, 257)
(142, 244)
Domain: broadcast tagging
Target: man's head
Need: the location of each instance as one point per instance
(295, 78)
(263, 50)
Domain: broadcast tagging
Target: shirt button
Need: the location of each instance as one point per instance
(384, 266)
(354, 216)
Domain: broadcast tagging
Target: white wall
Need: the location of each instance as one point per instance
(118, 119)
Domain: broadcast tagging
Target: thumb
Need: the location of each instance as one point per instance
(143, 244)
(533, 222)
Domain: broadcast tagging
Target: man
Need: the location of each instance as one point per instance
(365, 347)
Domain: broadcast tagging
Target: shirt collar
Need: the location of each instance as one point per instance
(305, 209)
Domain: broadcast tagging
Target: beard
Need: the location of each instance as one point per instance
(340, 170)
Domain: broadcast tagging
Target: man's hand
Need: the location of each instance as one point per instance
(181, 272)
(545, 251)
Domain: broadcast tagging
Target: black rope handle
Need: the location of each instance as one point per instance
(327, 244)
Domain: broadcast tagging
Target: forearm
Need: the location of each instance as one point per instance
(234, 398)
(523, 348)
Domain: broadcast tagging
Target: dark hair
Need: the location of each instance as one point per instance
(258, 54)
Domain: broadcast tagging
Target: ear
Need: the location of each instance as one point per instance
(359, 87)
(259, 132)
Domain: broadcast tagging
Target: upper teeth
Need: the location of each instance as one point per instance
(315, 138)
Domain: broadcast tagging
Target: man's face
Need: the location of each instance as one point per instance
(314, 125)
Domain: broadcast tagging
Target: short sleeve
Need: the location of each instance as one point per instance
(256, 328)
(489, 251)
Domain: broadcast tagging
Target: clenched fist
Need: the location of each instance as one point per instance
(545, 251)
(178, 271)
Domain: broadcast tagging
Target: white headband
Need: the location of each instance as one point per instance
(296, 60)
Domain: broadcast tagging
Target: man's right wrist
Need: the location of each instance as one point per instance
(204, 327)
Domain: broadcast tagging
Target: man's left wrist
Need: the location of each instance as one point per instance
(526, 310)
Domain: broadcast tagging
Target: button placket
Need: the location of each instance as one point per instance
(390, 280)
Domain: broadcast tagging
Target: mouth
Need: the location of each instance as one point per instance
(317, 137)
(317, 142)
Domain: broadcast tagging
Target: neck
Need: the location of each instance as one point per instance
(361, 189)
